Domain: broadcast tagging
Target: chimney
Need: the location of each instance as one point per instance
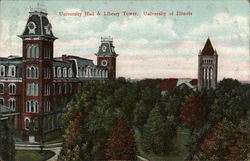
(64, 57)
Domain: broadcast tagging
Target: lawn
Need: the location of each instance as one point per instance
(178, 153)
(35, 155)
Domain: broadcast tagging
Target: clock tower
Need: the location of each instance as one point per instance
(38, 43)
(106, 56)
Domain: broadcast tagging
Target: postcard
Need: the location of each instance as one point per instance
(124, 80)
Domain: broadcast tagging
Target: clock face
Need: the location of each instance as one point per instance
(104, 63)
(31, 25)
(104, 48)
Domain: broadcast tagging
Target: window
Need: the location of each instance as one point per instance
(59, 72)
(47, 72)
(12, 71)
(32, 72)
(47, 89)
(33, 51)
(47, 52)
(27, 123)
(106, 74)
(54, 72)
(2, 70)
(32, 106)
(12, 104)
(1, 88)
(46, 106)
(70, 72)
(1, 101)
(32, 89)
(12, 88)
(65, 72)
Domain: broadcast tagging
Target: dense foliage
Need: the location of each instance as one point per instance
(218, 121)
(225, 134)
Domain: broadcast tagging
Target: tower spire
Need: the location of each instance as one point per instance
(208, 48)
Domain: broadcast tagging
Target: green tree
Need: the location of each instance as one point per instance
(158, 132)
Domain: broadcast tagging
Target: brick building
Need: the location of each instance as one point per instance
(37, 84)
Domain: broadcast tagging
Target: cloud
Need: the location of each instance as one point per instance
(224, 27)
(142, 26)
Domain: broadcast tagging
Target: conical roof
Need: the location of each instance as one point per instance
(208, 49)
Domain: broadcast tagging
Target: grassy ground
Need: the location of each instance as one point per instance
(178, 153)
(36, 155)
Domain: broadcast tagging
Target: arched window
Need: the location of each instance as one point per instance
(59, 72)
(12, 70)
(12, 104)
(36, 52)
(32, 72)
(1, 88)
(32, 89)
(54, 72)
(46, 106)
(70, 72)
(2, 70)
(12, 88)
(46, 89)
(64, 72)
(106, 74)
(29, 51)
(32, 51)
(27, 123)
(32, 106)
(47, 72)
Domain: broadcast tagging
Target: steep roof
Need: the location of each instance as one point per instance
(106, 48)
(208, 49)
(38, 25)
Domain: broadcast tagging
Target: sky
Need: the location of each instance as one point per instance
(148, 46)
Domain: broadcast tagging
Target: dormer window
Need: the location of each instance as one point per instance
(65, 72)
(32, 27)
(59, 72)
(2, 70)
(33, 51)
(70, 72)
(12, 71)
